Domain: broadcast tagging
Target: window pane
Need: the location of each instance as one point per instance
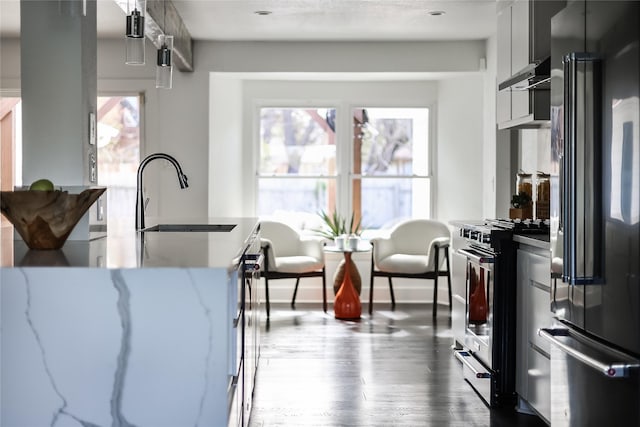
(297, 141)
(394, 141)
(386, 200)
(119, 156)
(310, 195)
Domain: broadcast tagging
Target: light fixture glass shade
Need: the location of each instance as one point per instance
(135, 33)
(164, 68)
(135, 51)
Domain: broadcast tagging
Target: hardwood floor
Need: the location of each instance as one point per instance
(394, 368)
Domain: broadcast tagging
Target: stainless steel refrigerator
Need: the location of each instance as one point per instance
(595, 214)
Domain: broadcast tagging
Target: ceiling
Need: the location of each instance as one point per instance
(306, 20)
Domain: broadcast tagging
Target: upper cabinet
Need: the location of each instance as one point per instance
(524, 34)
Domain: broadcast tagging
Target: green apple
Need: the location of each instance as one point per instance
(41, 185)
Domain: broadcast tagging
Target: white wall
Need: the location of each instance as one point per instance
(456, 106)
(186, 120)
(489, 157)
(460, 148)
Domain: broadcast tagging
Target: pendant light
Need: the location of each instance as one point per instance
(135, 33)
(164, 68)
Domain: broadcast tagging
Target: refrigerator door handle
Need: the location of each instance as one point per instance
(581, 170)
(610, 370)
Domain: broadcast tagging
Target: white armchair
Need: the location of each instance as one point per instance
(414, 249)
(289, 255)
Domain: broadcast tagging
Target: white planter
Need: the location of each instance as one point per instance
(352, 242)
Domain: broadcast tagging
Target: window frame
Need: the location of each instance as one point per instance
(345, 152)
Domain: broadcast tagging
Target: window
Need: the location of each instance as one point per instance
(390, 178)
(297, 171)
(118, 152)
(119, 156)
(384, 174)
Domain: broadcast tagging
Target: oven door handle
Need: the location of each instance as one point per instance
(463, 357)
(477, 257)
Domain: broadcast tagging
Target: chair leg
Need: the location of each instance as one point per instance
(435, 295)
(371, 286)
(295, 291)
(266, 294)
(324, 290)
(393, 297)
(446, 256)
(435, 283)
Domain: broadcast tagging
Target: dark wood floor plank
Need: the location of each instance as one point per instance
(395, 368)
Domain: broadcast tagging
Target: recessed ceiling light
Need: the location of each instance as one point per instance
(263, 12)
(437, 12)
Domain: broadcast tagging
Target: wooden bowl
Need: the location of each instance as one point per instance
(45, 219)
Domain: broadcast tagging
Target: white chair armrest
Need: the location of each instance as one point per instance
(441, 242)
(264, 243)
(312, 246)
(382, 247)
(271, 253)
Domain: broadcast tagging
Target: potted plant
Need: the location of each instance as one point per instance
(336, 228)
(343, 234)
(521, 203)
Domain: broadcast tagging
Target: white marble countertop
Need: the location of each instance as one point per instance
(128, 249)
(116, 347)
(139, 329)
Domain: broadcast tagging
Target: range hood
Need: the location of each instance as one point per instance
(535, 76)
(535, 81)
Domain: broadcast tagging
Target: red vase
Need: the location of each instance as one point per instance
(347, 303)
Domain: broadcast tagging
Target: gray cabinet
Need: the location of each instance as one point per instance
(246, 334)
(523, 43)
(532, 352)
(251, 333)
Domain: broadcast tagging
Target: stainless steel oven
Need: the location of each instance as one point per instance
(479, 307)
(488, 351)
(478, 320)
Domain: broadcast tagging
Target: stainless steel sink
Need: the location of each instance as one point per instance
(224, 228)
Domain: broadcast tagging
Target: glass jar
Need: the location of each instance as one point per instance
(543, 195)
(524, 184)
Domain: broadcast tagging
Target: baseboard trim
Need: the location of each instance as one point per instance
(310, 290)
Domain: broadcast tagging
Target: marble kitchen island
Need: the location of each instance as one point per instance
(137, 329)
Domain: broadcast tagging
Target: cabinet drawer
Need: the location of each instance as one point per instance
(539, 383)
(539, 314)
(540, 270)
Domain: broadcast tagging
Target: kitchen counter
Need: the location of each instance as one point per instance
(540, 241)
(128, 249)
(136, 330)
